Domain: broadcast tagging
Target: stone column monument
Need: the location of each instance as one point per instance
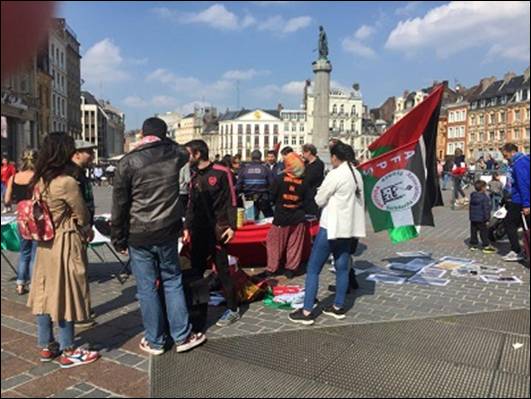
(321, 113)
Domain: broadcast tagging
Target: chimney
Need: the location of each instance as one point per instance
(508, 76)
(486, 82)
(279, 107)
(406, 93)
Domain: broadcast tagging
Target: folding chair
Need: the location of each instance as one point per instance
(102, 241)
(10, 239)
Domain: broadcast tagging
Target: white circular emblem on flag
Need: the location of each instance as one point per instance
(397, 191)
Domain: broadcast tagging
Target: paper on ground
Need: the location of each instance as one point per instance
(414, 254)
(386, 278)
(453, 259)
(419, 279)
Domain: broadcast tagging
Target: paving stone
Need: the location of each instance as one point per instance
(84, 387)
(15, 381)
(96, 393)
(130, 360)
(69, 393)
(43, 369)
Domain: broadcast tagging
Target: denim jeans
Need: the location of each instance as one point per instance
(321, 250)
(165, 305)
(26, 260)
(45, 332)
(496, 201)
(445, 180)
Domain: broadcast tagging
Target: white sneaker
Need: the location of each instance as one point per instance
(513, 257)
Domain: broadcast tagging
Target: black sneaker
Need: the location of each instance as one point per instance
(299, 318)
(339, 314)
(265, 275)
(289, 274)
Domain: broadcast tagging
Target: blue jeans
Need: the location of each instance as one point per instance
(445, 180)
(45, 332)
(321, 250)
(26, 260)
(496, 201)
(166, 306)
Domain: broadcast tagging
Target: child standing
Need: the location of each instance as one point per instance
(480, 207)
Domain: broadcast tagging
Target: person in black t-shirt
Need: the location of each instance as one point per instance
(314, 176)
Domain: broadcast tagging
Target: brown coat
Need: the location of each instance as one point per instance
(59, 283)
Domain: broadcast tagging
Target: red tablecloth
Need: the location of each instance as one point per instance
(249, 243)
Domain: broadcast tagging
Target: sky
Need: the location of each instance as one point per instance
(149, 57)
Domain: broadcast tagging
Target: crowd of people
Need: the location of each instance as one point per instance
(163, 191)
(490, 194)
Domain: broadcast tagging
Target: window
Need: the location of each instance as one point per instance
(502, 135)
(248, 129)
(352, 125)
(501, 117)
(451, 148)
(275, 130)
(230, 143)
(451, 117)
(481, 136)
(275, 140)
(257, 140)
(62, 59)
(353, 110)
(492, 136)
(516, 134)
(493, 101)
(266, 141)
(462, 131)
(240, 142)
(481, 120)
(231, 131)
(334, 124)
(57, 56)
(294, 140)
(302, 127)
(266, 130)
(286, 140)
(334, 109)
(286, 127)
(341, 126)
(294, 127)
(491, 118)
(240, 130)
(301, 140)
(342, 109)
(517, 115)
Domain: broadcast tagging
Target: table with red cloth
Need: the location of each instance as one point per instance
(249, 244)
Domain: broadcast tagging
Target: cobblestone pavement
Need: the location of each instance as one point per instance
(123, 369)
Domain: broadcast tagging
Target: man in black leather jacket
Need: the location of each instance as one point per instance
(145, 222)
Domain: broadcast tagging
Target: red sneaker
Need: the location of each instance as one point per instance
(50, 353)
(78, 357)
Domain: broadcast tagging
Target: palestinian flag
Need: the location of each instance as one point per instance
(401, 183)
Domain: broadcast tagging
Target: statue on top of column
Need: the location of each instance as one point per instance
(323, 44)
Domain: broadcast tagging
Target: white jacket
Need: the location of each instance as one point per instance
(343, 214)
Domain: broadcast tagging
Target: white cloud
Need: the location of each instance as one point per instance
(354, 46)
(501, 27)
(293, 88)
(278, 24)
(216, 16)
(357, 43)
(219, 17)
(178, 83)
(103, 63)
(409, 8)
(247, 74)
(364, 32)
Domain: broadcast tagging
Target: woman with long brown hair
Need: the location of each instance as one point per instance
(60, 292)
